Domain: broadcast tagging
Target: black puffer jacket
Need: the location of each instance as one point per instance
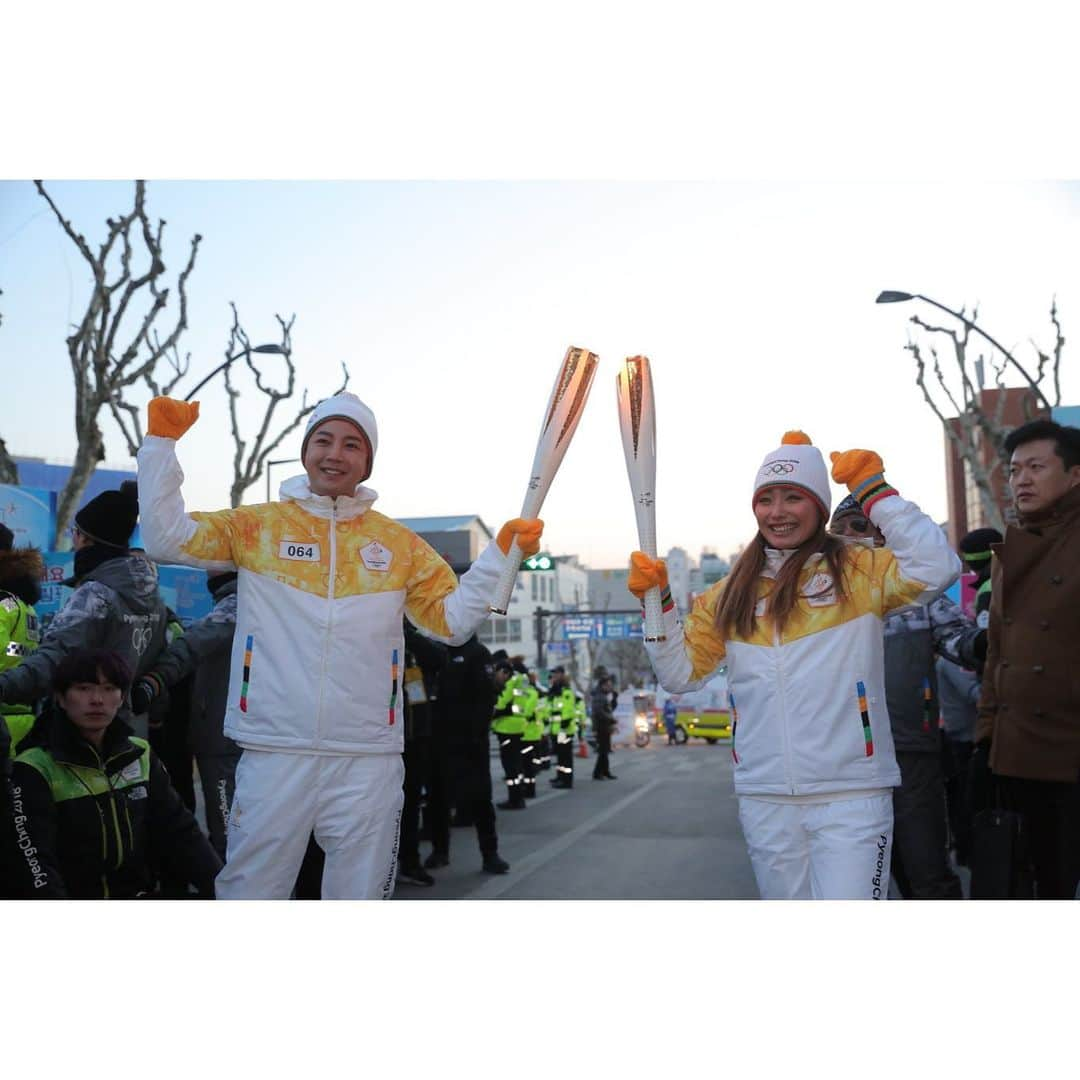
(93, 826)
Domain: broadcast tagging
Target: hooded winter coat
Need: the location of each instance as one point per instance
(1030, 701)
(115, 606)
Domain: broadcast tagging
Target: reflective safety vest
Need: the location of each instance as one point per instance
(534, 721)
(19, 637)
(543, 714)
(563, 706)
(510, 707)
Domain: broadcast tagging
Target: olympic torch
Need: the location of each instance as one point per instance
(637, 421)
(564, 410)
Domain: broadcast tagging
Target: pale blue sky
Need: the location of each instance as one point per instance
(452, 303)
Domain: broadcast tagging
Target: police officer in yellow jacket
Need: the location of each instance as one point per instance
(564, 725)
(533, 733)
(20, 589)
(508, 725)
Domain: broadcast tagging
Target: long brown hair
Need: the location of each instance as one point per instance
(735, 614)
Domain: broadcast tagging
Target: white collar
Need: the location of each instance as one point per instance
(776, 557)
(296, 489)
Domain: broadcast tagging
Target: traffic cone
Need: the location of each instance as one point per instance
(582, 749)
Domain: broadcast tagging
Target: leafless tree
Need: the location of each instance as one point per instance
(973, 422)
(116, 344)
(249, 463)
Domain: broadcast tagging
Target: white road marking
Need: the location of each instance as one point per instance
(493, 889)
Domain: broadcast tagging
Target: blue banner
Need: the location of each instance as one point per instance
(183, 588)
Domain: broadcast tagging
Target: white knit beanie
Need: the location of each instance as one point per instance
(799, 464)
(344, 406)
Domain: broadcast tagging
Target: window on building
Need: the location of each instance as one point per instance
(500, 632)
(533, 578)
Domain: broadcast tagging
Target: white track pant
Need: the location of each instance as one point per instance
(836, 850)
(351, 803)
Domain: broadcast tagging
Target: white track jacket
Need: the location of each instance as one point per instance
(808, 706)
(318, 653)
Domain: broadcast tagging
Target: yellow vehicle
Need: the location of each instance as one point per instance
(708, 724)
(703, 714)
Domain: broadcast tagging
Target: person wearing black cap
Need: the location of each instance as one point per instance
(975, 551)
(115, 606)
(564, 725)
(508, 724)
(203, 651)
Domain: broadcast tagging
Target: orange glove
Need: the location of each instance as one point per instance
(528, 532)
(855, 467)
(646, 574)
(170, 418)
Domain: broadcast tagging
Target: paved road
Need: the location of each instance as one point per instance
(666, 829)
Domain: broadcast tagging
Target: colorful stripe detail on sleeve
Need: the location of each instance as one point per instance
(928, 698)
(871, 490)
(248, 646)
(864, 710)
(393, 685)
(666, 602)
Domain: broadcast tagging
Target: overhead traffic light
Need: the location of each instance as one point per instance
(540, 561)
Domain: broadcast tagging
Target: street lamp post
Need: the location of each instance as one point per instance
(890, 296)
(279, 461)
(236, 356)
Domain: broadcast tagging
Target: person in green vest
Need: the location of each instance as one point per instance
(564, 725)
(533, 732)
(95, 815)
(20, 590)
(543, 716)
(508, 724)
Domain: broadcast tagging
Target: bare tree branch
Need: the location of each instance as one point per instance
(251, 455)
(121, 295)
(974, 427)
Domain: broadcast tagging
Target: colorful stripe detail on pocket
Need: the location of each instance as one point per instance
(393, 685)
(248, 645)
(864, 710)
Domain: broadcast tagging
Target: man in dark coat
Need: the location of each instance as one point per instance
(1028, 730)
(461, 776)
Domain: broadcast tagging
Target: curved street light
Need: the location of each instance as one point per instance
(236, 356)
(891, 296)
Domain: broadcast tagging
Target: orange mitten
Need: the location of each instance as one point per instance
(855, 467)
(170, 418)
(528, 532)
(646, 574)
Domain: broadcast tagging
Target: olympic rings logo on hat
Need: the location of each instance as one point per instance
(778, 468)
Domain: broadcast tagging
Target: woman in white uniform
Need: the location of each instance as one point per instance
(799, 624)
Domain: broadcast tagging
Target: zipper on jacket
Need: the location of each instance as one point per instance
(329, 617)
(783, 706)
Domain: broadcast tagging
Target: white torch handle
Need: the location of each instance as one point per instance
(653, 629)
(505, 589)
